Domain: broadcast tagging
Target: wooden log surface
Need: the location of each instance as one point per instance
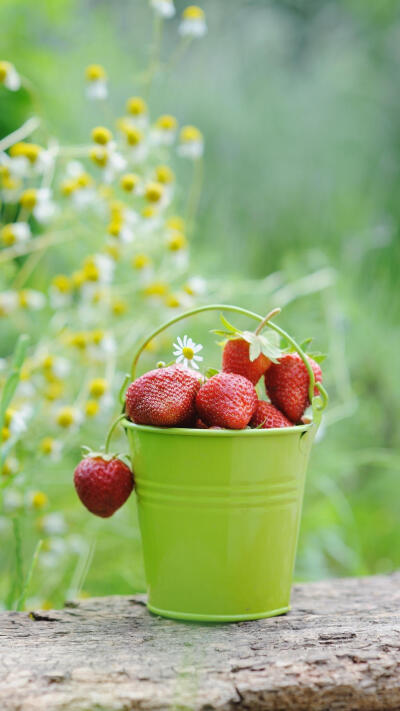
(338, 649)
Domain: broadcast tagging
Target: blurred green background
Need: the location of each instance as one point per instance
(299, 103)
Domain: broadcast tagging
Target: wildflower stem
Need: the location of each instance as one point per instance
(176, 55)
(19, 573)
(154, 56)
(20, 133)
(36, 244)
(195, 193)
(21, 600)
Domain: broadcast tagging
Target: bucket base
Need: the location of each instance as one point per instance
(216, 618)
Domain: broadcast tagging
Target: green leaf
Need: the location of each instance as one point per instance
(304, 345)
(228, 325)
(255, 349)
(269, 348)
(210, 372)
(318, 357)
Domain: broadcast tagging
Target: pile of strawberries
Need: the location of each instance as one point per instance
(176, 396)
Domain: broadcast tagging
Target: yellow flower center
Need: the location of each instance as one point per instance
(62, 283)
(97, 387)
(188, 352)
(4, 69)
(94, 72)
(156, 288)
(39, 500)
(48, 362)
(133, 136)
(177, 241)
(129, 182)
(189, 134)
(164, 174)
(68, 187)
(172, 301)
(101, 135)
(97, 336)
(83, 180)
(136, 106)
(5, 434)
(10, 412)
(148, 212)
(79, 340)
(66, 417)
(8, 235)
(193, 12)
(99, 156)
(91, 408)
(23, 298)
(113, 251)
(114, 228)
(90, 270)
(167, 122)
(154, 192)
(47, 445)
(176, 223)
(140, 261)
(54, 391)
(28, 198)
(119, 307)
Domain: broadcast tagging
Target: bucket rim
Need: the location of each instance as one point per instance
(191, 431)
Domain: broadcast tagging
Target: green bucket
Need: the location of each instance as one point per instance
(219, 510)
(219, 515)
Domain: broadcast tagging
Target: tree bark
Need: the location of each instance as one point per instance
(338, 649)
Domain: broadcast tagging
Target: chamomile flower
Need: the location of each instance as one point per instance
(138, 112)
(53, 524)
(9, 76)
(15, 232)
(68, 417)
(186, 351)
(98, 268)
(191, 143)
(96, 87)
(27, 159)
(193, 23)
(31, 299)
(109, 160)
(164, 8)
(50, 447)
(164, 130)
(195, 286)
(78, 185)
(60, 291)
(40, 202)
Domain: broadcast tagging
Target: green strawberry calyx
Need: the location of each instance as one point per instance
(105, 456)
(305, 346)
(267, 345)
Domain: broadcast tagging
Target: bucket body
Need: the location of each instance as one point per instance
(219, 515)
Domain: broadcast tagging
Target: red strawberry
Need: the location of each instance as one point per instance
(267, 416)
(227, 400)
(103, 484)
(287, 382)
(163, 397)
(235, 359)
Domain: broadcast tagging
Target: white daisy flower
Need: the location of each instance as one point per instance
(193, 22)
(164, 130)
(191, 143)
(31, 299)
(53, 524)
(96, 87)
(9, 76)
(45, 208)
(186, 351)
(15, 232)
(164, 8)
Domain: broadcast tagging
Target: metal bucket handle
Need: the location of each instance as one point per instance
(318, 402)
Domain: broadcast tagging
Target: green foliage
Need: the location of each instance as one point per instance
(300, 209)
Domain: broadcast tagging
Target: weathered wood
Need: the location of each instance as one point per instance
(338, 649)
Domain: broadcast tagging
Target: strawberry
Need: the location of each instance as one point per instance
(163, 397)
(236, 359)
(103, 484)
(286, 383)
(267, 416)
(227, 400)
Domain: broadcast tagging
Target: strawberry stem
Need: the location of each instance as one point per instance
(265, 320)
(111, 431)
